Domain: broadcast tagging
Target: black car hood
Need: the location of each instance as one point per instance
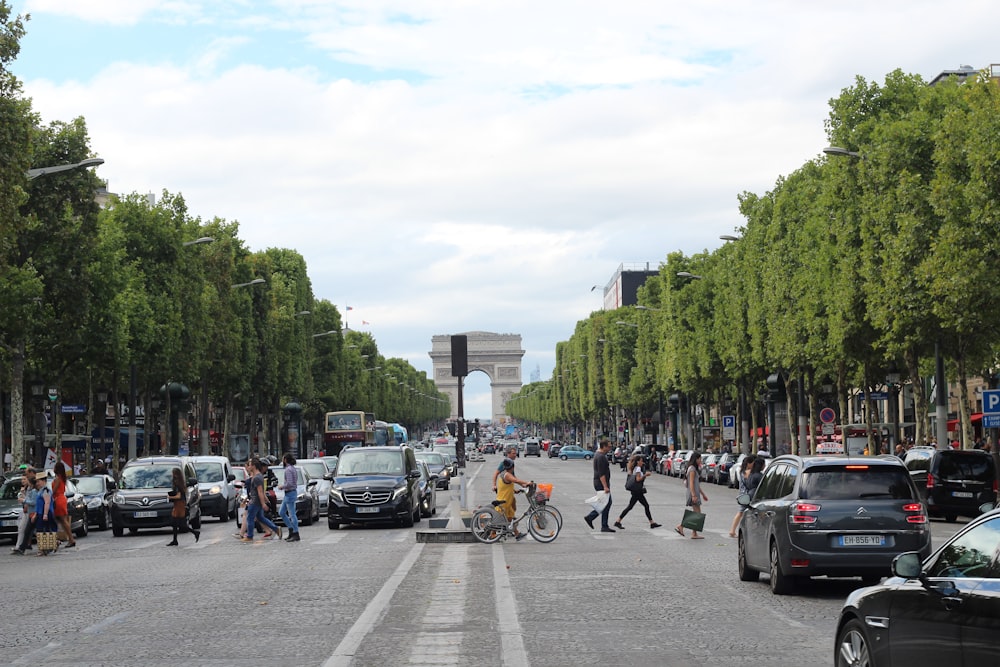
(352, 482)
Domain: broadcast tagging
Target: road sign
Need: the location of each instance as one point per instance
(728, 427)
(827, 415)
(73, 409)
(991, 402)
(991, 421)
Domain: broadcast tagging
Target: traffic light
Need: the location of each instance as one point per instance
(470, 428)
(452, 428)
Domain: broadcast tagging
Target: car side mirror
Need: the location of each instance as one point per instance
(230, 477)
(192, 482)
(743, 499)
(312, 482)
(986, 507)
(413, 474)
(328, 476)
(907, 565)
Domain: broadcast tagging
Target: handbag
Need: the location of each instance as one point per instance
(630, 483)
(47, 539)
(693, 520)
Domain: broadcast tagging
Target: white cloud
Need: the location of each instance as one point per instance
(524, 151)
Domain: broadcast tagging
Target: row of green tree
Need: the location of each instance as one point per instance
(859, 264)
(90, 293)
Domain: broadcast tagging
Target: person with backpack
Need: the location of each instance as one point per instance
(635, 483)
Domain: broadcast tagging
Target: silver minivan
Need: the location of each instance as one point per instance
(215, 480)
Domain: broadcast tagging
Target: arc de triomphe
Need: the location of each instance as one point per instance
(497, 355)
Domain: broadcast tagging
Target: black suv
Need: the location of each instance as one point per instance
(952, 482)
(375, 484)
(141, 499)
(834, 516)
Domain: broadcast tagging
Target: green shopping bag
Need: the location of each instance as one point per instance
(693, 520)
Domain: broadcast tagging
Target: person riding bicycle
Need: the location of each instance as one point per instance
(505, 492)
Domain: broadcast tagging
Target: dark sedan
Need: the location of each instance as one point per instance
(439, 464)
(97, 491)
(942, 611)
(10, 508)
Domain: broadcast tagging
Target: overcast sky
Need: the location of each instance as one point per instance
(448, 166)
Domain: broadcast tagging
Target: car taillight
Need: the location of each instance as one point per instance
(917, 513)
(798, 512)
(930, 481)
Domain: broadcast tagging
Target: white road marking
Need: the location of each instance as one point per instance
(373, 613)
(511, 635)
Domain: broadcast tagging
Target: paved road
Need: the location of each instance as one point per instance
(374, 596)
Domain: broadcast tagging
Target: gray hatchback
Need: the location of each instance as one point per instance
(830, 515)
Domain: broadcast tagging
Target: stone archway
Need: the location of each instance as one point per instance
(497, 355)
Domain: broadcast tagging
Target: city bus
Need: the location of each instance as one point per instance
(400, 433)
(353, 428)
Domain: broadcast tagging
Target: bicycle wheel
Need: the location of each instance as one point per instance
(543, 524)
(555, 510)
(485, 528)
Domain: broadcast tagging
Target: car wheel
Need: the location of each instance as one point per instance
(951, 518)
(224, 517)
(83, 529)
(196, 523)
(562, 458)
(852, 647)
(105, 521)
(781, 583)
(417, 516)
(747, 573)
(332, 524)
(408, 520)
(587, 458)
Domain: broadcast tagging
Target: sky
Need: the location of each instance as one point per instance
(447, 166)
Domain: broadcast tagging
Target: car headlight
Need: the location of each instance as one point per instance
(445, 473)
(216, 490)
(399, 492)
(94, 503)
(336, 494)
(118, 498)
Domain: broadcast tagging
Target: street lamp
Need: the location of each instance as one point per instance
(622, 323)
(83, 164)
(200, 241)
(326, 333)
(686, 274)
(255, 281)
(641, 307)
(841, 152)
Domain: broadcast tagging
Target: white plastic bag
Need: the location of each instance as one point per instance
(599, 501)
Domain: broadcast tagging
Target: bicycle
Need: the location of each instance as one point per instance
(489, 525)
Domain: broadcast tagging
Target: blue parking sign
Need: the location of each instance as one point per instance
(991, 401)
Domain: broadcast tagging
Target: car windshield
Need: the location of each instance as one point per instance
(432, 458)
(852, 483)
(90, 485)
(10, 489)
(147, 477)
(330, 462)
(448, 450)
(361, 462)
(208, 471)
(316, 469)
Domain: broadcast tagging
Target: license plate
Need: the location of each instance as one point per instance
(145, 515)
(367, 510)
(9, 522)
(962, 494)
(862, 540)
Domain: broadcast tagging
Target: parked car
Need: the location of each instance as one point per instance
(97, 491)
(324, 480)
(708, 463)
(375, 484)
(839, 517)
(306, 499)
(933, 610)
(952, 482)
(722, 466)
(428, 490)
(553, 450)
(141, 498)
(679, 464)
(575, 452)
(219, 495)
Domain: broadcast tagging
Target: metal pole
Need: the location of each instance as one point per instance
(803, 421)
(204, 417)
(460, 449)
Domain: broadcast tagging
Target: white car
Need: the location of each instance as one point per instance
(319, 471)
